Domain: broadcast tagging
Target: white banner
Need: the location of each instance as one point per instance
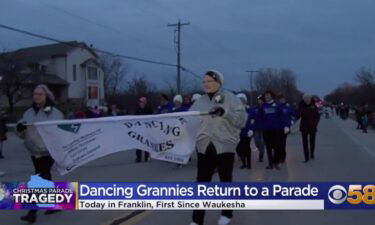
(72, 143)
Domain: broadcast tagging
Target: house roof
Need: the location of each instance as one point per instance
(37, 53)
(44, 78)
(88, 61)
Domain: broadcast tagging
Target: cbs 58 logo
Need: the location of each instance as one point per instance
(356, 194)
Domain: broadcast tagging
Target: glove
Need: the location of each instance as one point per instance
(21, 127)
(286, 130)
(250, 133)
(217, 111)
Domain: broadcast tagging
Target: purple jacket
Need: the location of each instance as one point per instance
(271, 116)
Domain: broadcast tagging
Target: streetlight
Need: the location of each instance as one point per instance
(251, 84)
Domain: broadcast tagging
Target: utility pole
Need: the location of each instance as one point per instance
(178, 50)
(251, 84)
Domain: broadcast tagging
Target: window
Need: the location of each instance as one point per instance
(93, 73)
(92, 92)
(74, 72)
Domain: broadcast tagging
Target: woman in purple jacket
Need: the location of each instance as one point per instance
(274, 128)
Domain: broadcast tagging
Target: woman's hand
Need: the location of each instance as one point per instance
(217, 111)
(21, 127)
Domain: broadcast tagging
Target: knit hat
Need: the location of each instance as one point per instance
(177, 98)
(143, 100)
(307, 98)
(48, 92)
(216, 75)
(260, 97)
(242, 96)
(195, 97)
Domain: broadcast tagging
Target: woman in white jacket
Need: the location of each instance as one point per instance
(218, 135)
(42, 109)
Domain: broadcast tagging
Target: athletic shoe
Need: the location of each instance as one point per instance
(223, 220)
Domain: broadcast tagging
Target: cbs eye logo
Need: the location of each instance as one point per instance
(355, 195)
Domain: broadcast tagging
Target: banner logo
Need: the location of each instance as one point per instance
(72, 128)
(2, 192)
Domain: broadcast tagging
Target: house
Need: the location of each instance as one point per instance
(70, 69)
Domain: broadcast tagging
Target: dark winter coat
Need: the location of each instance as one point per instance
(310, 117)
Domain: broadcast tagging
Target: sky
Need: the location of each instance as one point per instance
(323, 41)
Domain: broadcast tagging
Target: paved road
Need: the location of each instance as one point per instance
(342, 154)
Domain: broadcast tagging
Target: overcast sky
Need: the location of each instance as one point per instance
(323, 41)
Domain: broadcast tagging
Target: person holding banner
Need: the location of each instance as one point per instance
(143, 109)
(218, 136)
(42, 109)
(178, 107)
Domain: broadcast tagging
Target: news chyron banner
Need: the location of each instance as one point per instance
(41, 194)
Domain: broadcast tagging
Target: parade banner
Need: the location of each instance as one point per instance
(42, 194)
(72, 143)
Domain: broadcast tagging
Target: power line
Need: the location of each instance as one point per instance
(102, 51)
(178, 43)
(94, 49)
(78, 16)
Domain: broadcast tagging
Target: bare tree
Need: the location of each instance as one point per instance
(189, 85)
(281, 81)
(357, 95)
(115, 71)
(139, 86)
(11, 80)
(365, 77)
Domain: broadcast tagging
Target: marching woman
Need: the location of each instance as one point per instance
(309, 114)
(42, 109)
(288, 113)
(258, 128)
(177, 104)
(218, 135)
(274, 128)
(243, 148)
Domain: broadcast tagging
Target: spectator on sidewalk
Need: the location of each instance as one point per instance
(370, 119)
(3, 132)
(165, 106)
(113, 110)
(42, 109)
(358, 118)
(80, 114)
(364, 118)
